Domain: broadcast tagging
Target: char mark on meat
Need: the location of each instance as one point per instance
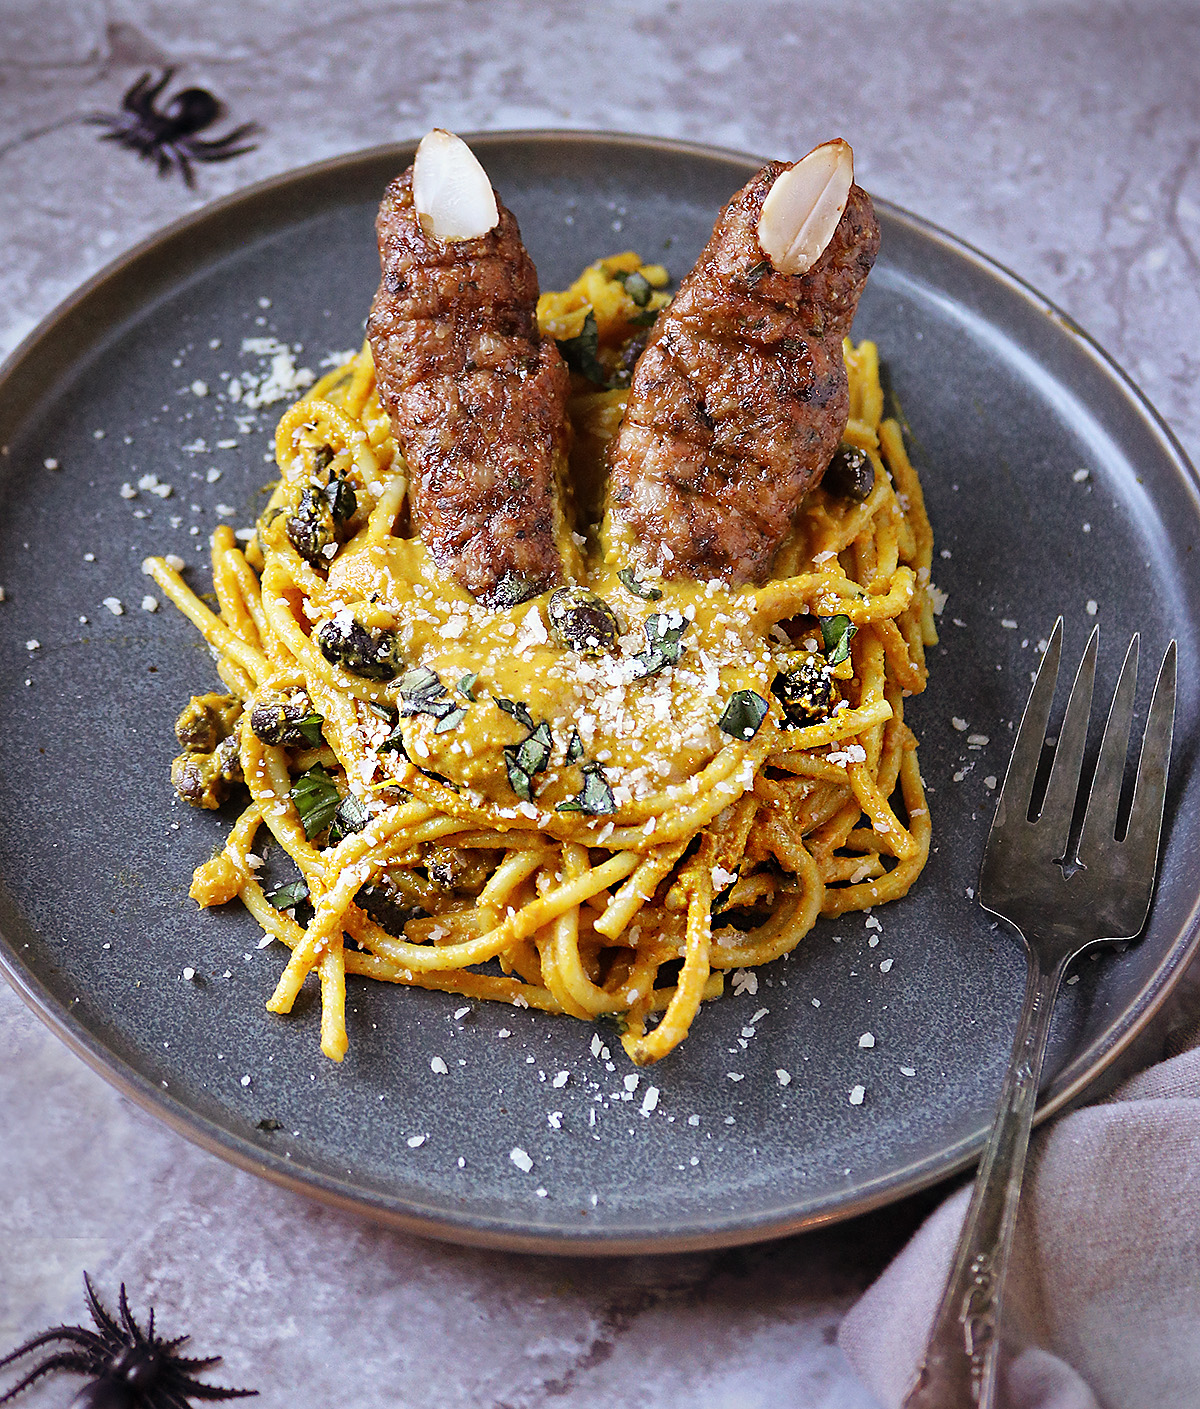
(740, 399)
(477, 398)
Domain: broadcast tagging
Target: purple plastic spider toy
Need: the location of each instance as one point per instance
(128, 1368)
(168, 136)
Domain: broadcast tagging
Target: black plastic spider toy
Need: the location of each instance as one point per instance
(169, 136)
(129, 1368)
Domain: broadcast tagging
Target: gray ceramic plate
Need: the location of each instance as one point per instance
(1008, 403)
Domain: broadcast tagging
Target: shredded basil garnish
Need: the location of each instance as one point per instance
(384, 711)
(287, 897)
(837, 632)
(595, 797)
(526, 759)
(512, 589)
(663, 645)
(756, 271)
(351, 816)
(316, 799)
(743, 715)
(394, 743)
(637, 286)
(645, 319)
(310, 728)
(574, 747)
(615, 1022)
(580, 352)
(450, 721)
(518, 711)
(466, 686)
(341, 498)
(639, 589)
(421, 692)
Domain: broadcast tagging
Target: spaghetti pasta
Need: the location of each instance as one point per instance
(592, 835)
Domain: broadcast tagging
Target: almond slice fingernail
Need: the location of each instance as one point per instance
(803, 207)
(452, 195)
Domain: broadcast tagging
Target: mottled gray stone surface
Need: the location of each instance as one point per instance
(1062, 139)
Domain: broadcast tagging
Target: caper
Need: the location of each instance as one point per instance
(276, 722)
(850, 475)
(583, 622)
(207, 720)
(310, 529)
(804, 687)
(204, 778)
(369, 652)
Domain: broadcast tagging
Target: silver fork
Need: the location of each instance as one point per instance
(1061, 906)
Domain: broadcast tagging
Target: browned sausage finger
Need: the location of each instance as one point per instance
(477, 397)
(740, 398)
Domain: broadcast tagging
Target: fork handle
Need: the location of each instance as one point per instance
(960, 1362)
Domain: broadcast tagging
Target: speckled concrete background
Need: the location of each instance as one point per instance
(1062, 139)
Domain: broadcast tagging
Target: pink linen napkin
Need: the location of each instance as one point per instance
(1102, 1303)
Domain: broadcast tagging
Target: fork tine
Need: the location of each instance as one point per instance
(1054, 820)
(1022, 766)
(1100, 820)
(1150, 793)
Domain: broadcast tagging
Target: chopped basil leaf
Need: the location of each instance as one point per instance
(466, 686)
(512, 589)
(341, 498)
(287, 897)
(574, 747)
(533, 754)
(450, 721)
(837, 632)
(595, 797)
(518, 711)
(310, 728)
(645, 319)
(351, 816)
(394, 743)
(421, 692)
(663, 646)
(528, 758)
(743, 715)
(639, 589)
(384, 711)
(579, 352)
(316, 799)
(637, 286)
(615, 1022)
(756, 271)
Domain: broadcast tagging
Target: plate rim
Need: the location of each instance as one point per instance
(472, 1228)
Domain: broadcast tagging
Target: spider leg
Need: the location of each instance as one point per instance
(103, 1318)
(66, 1360)
(205, 151)
(81, 1337)
(166, 160)
(193, 1389)
(148, 95)
(185, 167)
(139, 1336)
(187, 1365)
